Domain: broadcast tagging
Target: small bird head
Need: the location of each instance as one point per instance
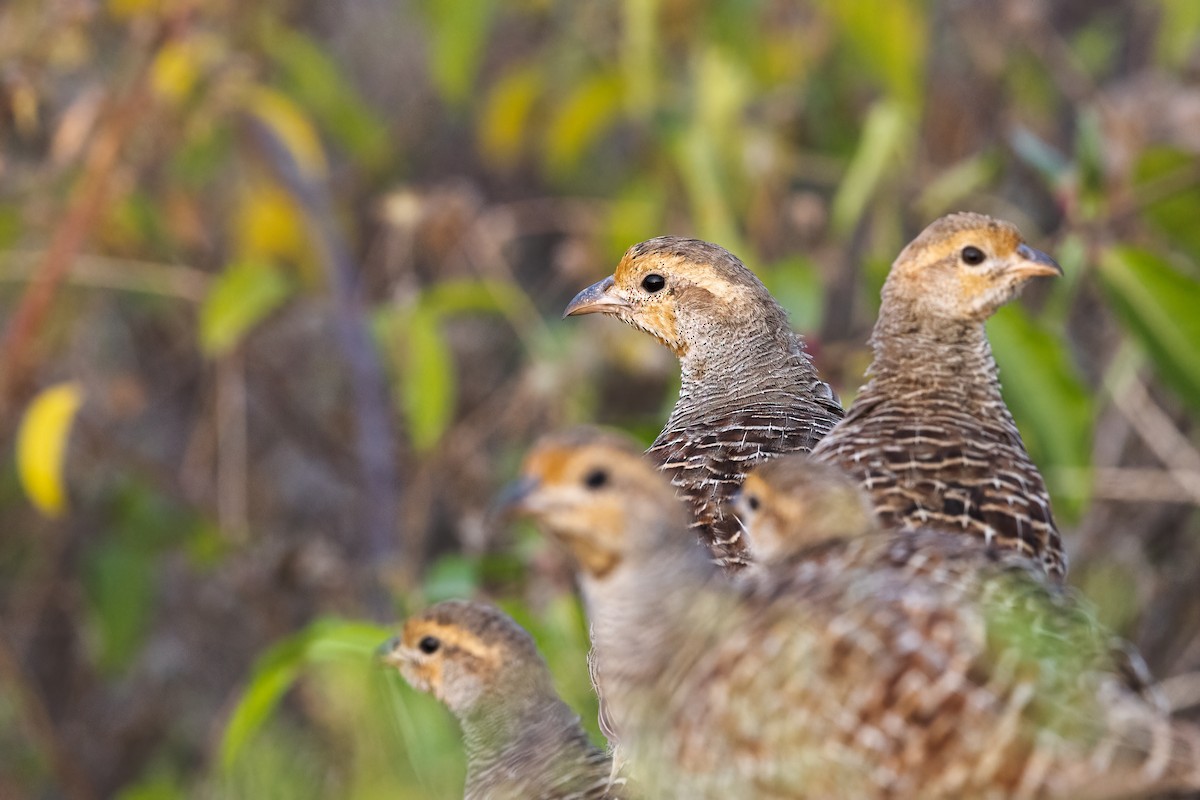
(594, 492)
(791, 502)
(963, 267)
(464, 654)
(684, 292)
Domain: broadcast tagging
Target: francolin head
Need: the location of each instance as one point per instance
(793, 502)
(749, 390)
(865, 673)
(522, 740)
(929, 437)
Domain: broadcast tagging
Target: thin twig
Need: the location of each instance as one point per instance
(1155, 426)
(39, 726)
(370, 391)
(87, 205)
(120, 274)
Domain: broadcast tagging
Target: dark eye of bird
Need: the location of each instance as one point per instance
(596, 478)
(653, 282)
(429, 645)
(972, 255)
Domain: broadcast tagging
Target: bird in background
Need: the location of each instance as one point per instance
(929, 436)
(522, 741)
(749, 390)
(872, 672)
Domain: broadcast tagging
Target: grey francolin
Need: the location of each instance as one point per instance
(523, 742)
(863, 674)
(929, 436)
(748, 391)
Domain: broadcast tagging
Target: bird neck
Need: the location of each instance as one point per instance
(937, 356)
(633, 612)
(517, 734)
(751, 363)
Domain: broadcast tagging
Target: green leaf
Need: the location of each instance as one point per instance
(886, 140)
(1158, 303)
(1165, 182)
(458, 29)
(120, 590)
(317, 83)
(281, 665)
(427, 389)
(452, 575)
(237, 300)
(588, 111)
(1048, 162)
(889, 40)
(1052, 406)
(796, 284)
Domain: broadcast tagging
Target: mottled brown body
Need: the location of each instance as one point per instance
(919, 666)
(930, 437)
(523, 742)
(749, 390)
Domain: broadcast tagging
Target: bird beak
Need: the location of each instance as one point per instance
(387, 652)
(598, 298)
(513, 498)
(1034, 263)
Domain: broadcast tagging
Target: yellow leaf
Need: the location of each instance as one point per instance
(586, 113)
(291, 126)
(268, 226)
(42, 445)
(506, 114)
(127, 9)
(174, 71)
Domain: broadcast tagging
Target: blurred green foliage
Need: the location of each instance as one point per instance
(202, 601)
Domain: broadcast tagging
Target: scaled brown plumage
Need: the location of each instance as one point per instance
(749, 390)
(871, 668)
(523, 742)
(929, 436)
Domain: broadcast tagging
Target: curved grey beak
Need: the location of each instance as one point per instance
(597, 298)
(511, 499)
(385, 652)
(1035, 263)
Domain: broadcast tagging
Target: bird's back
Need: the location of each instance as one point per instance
(879, 669)
(707, 448)
(931, 458)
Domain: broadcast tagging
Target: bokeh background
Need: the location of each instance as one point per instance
(281, 282)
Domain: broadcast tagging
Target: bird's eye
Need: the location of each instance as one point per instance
(653, 282)
(429, 645)
(752, 502)
(973, 255)
(596, 479)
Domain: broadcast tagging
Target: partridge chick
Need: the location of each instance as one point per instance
(522, 740)
(793, 502)
(865, 674)
(749, 390)
(929, 436)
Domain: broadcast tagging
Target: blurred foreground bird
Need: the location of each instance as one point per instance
(929, 436)
(867, 672)
(523, 742)
(749, 390)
